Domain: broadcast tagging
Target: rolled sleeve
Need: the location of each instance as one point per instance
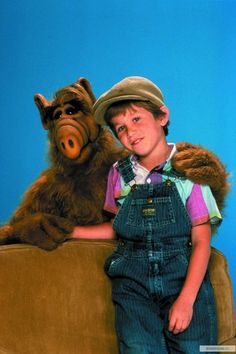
(202, 207)
(113, 189)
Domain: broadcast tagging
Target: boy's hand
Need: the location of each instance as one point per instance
(180, 315)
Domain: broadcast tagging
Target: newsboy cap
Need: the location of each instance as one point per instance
(130, 88)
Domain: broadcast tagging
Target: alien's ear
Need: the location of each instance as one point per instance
(86, 85)
(42, 103)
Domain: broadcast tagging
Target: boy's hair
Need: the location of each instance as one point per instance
(120, 106)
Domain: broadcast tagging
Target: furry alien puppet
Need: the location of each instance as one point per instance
(72, 190)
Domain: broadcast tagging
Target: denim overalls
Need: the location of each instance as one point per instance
(148, 269)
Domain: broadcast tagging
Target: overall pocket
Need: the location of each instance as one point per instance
(175, 267)
(157, 210)
(112, 263)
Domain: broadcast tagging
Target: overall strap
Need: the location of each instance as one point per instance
(126, 170)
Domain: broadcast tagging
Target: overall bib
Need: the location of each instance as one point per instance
(148, 270)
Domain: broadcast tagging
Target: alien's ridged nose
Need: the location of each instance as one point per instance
(69, 146)
(71, 137)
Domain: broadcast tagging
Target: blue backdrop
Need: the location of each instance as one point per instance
(187, 47)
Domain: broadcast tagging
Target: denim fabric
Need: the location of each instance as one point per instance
(148, 270)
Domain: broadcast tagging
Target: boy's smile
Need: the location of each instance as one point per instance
(142, 134)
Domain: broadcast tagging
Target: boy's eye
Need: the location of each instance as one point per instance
(136, 119)
(120, 129)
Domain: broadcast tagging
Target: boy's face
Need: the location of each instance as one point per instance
(139, 131)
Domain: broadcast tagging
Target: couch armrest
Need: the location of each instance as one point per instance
(222, 285)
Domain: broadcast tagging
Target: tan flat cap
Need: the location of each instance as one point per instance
(130, 88)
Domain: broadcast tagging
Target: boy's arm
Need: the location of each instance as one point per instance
(181, 311)
(100, 231)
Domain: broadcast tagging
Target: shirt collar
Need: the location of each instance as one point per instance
(165, 165)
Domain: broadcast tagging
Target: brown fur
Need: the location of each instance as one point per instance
(203, 167)
(72, 190)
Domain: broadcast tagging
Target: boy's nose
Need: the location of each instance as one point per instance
(130, 131)
(130, 134)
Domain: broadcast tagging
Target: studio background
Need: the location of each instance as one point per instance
(187, 47)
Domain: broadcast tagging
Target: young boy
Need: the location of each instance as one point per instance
(160, 284)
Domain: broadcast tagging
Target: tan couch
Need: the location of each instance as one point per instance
(59, 302)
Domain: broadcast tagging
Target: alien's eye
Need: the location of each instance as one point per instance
(71, 110)
(57, 115)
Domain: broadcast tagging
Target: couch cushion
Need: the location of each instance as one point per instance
(56, 302)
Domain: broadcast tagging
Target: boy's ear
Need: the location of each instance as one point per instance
(165, 118)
